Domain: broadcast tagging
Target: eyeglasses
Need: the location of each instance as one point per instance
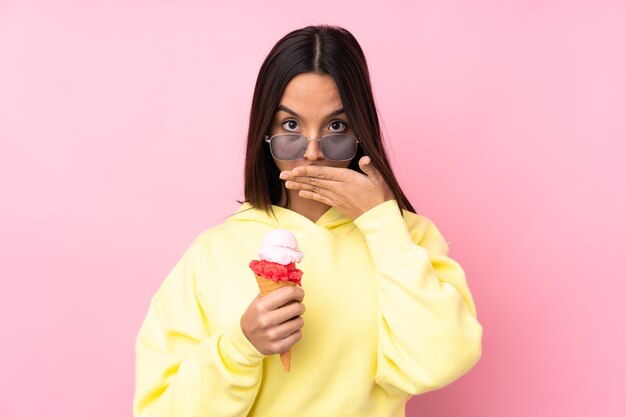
(291, 147)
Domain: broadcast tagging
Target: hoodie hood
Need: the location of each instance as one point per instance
(333, 219)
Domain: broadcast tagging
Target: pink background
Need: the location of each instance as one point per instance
(121, 138)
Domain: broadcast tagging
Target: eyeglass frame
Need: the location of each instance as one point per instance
(268, 139)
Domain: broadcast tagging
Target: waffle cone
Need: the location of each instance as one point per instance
(266, 286)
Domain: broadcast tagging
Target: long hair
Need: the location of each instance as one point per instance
(325, 50)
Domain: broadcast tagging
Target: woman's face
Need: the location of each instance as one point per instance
(310, 106)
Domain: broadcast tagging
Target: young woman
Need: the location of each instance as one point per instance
(388, 313)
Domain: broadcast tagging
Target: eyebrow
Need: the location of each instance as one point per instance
(288, 110)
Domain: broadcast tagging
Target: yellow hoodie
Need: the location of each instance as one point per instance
(388, 315)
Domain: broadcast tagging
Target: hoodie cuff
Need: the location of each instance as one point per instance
(237, 351)
(384, 224)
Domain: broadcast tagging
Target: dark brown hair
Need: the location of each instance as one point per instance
(326, 50)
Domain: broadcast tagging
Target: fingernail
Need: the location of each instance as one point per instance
(283, 175)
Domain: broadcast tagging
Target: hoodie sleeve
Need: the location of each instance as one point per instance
(182, 369)
(428, 331)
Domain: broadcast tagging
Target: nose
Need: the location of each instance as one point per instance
(313, 151)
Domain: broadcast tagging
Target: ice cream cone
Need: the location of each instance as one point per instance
(266, 286)
(276, 269)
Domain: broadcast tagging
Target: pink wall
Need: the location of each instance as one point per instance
(121, 137)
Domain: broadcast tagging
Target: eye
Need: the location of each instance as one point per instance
(290, 125)
(337, 126)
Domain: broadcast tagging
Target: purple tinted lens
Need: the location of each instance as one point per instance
(338, 147)
(288, 147)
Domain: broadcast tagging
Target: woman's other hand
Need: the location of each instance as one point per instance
(272, 323)
(351, 192)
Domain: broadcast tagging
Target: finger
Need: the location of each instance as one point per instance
(285, 313)
(315, 171)
(312, 184)
(328, 196)
(285, 329)
(286, 343)
(365, 163)
(280, 297)
(317, 197)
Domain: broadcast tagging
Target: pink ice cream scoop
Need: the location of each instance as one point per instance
(280, 246)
